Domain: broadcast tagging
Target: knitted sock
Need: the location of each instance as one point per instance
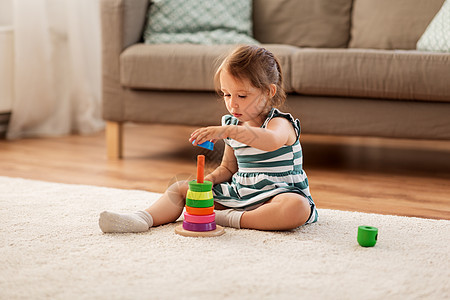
(229, 218)
(133, 222)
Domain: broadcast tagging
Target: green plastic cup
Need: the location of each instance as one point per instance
(367, 236)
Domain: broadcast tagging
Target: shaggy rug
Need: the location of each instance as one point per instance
(52, 248)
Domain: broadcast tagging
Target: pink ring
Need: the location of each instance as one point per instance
(199, 227)
(198, 218)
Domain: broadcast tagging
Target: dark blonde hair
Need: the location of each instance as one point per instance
(257, 65)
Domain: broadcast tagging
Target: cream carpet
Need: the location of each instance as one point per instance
(52, 248)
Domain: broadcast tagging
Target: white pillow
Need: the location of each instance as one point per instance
(437, 35)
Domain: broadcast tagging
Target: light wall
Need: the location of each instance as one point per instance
(6, 7)
(6, 56)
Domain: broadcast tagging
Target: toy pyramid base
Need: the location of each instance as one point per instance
(216, 232)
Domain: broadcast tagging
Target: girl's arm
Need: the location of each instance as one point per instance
(279, 132)
(226, 169)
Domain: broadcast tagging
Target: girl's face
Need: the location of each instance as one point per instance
(243, 101)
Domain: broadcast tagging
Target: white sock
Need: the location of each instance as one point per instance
(139, 221)
(229, 218)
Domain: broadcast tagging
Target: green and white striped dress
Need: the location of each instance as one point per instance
(261, 174)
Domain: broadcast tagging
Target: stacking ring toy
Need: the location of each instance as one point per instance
(367, 236)
(200, 211)
(199, 219)
(199, 227)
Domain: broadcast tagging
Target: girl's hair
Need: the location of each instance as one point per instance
(257, 65)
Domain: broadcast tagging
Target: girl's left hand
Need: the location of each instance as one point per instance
(211, 133)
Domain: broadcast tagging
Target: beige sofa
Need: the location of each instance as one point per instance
(350, 69)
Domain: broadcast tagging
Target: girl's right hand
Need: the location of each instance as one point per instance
(209, 177)
(211, 133)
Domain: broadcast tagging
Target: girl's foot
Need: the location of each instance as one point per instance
(139, 221)
(229, 218)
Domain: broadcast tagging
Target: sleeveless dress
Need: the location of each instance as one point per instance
(262, 174)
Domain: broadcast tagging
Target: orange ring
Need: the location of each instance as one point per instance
(200, 211)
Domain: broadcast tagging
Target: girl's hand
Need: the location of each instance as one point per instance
(211, 133)
(209, 177)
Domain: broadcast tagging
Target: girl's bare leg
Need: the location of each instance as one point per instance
(285, 211)
(170, 205)
(165, 210)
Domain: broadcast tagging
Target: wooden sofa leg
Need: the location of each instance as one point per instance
(114, 140)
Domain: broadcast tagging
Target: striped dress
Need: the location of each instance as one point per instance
(262, 174)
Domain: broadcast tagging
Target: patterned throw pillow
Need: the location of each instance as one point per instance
(437, 35)
(199, 22)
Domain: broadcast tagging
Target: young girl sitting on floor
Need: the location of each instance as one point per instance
(260, 183)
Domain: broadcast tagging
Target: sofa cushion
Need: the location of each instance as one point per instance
(437, 35)
(199, 22)
(303, 23)
(391, 24)
(372, 73)
(186, 67)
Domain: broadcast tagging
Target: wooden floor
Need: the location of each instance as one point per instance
(387, 176)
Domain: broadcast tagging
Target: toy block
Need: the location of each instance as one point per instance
(207, 145)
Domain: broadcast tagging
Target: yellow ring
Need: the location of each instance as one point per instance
(199, 195)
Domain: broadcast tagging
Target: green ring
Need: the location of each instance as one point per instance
(200, 187)
(199, 203)
(367, 236)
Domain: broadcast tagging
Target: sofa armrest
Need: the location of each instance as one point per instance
(135, 12)
(122, 22)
